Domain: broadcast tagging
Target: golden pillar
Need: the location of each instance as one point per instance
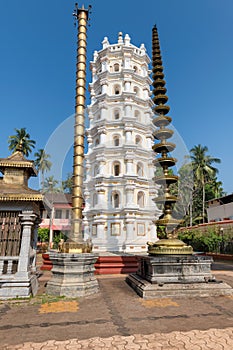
(81, 15)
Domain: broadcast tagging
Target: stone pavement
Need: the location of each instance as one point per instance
(116, 318)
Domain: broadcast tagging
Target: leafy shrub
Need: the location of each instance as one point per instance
(210, 240)
(161, 232)
(43, 234)
(57, 238)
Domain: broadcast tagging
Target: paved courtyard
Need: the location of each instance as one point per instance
(116, 318)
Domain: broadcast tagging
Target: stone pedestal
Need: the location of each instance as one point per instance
(72, 275)
(18, 286)
(175, 269)
(176, 276)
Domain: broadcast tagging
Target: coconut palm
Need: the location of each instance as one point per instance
(68, 183)
(21, 141)
(203, 170)
(42, 163)
(50, 185)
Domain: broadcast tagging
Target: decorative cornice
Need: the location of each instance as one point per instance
(21, 197)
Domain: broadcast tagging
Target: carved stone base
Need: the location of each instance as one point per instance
(175, 268)
(177, 276)
(72, 275)
(148, 290)
(18, 286)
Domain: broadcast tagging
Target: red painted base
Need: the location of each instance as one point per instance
(114, 264)
(47, 264)
(220, 256)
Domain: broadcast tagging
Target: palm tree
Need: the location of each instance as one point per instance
(68, 183)
(42, 163)
(214, 189)
(203, 170)
(21, 141)
(50, 185)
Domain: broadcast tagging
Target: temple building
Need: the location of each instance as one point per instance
(20, 211)
(119, 209)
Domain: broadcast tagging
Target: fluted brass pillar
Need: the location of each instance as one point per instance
(76, 242)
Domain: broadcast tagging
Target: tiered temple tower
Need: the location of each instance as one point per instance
(119, 190)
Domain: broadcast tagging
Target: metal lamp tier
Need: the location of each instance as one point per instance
(169, 245)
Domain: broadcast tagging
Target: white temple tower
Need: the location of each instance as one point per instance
(119, 210)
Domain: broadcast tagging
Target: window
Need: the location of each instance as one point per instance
(67, 214)
(96, 170)
(116, 169)
(140, 169)
(58, 214)
(116, 114)
(138, 140)
(116, 67)
(144, 71)
(97, 142)
(116, 141)
(136, 90)
(140, 199)
(135, 68)
(115, 200)
(116, 89)
(94, 230)
(137, 115)
(95, 200)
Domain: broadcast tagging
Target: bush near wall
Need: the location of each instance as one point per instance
(210, 240)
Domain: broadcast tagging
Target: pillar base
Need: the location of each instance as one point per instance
(72, 275)
(176, 276)
(16, 286)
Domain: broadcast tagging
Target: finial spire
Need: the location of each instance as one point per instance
(19, 147)
(159, 83)
(120, 38)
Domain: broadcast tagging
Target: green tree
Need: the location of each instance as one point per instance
(214, 189)
(203, 170)
(43, 234)
(68, 183)
(42, 163)
(185, 193)
(51, 185)
(21, 141)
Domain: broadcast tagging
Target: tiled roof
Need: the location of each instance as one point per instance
(17, 192)
(58, 198)
(17, 160)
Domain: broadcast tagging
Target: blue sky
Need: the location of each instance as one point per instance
(37, 65)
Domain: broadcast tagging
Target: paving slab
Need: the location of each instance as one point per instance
(117, 318)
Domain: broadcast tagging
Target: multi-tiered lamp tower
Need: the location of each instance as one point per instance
(171, 268)
(170, 245)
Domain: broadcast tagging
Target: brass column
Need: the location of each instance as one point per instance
(169, 245)
(81, 14)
